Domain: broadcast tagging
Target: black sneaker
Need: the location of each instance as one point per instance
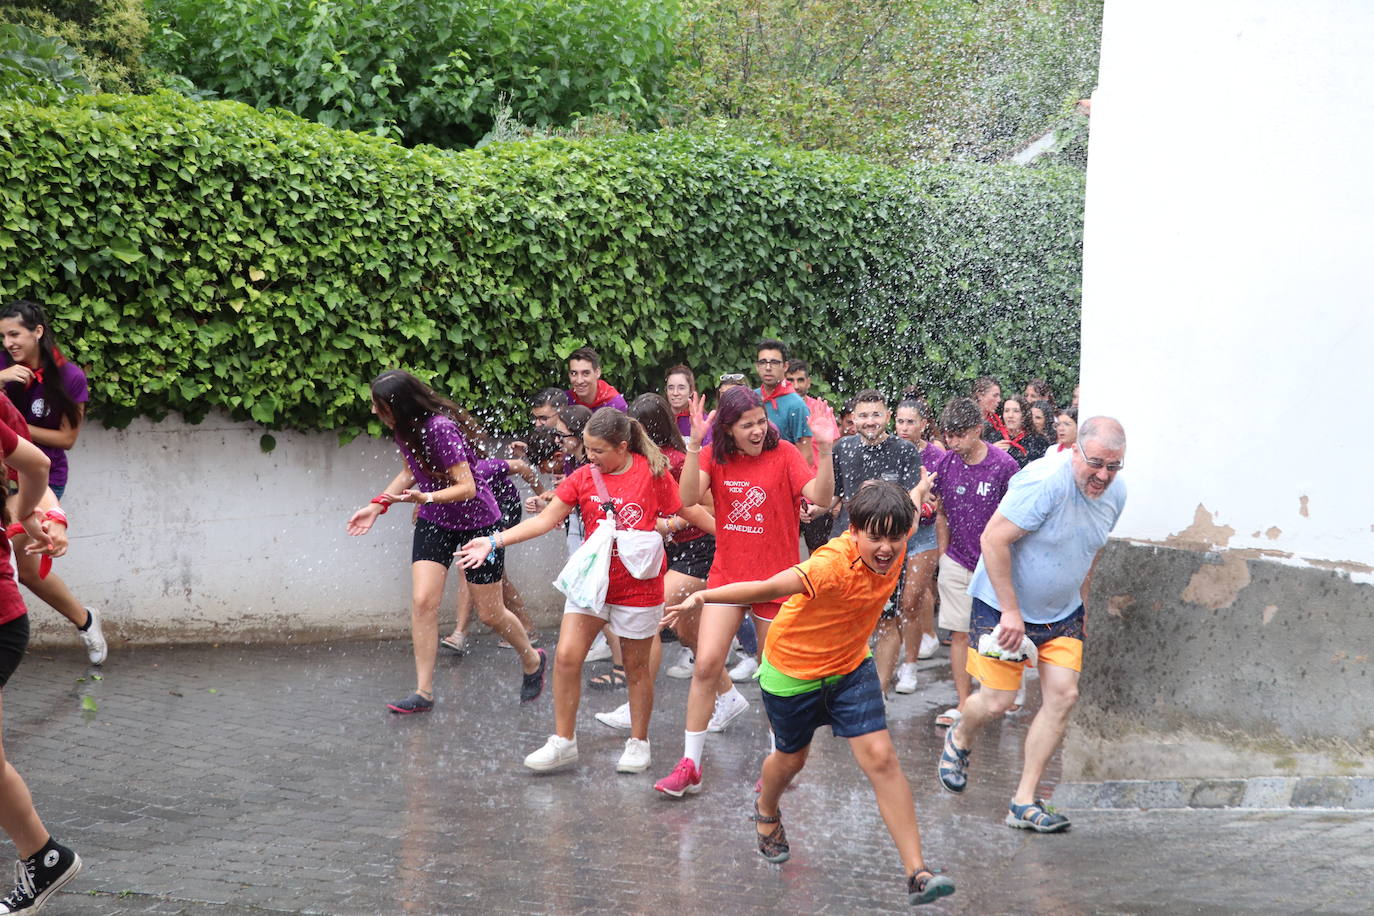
(411, 704)
(39, 877)
(533, 684)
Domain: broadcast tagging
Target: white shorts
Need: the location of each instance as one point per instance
(956, 604)
(626, 622)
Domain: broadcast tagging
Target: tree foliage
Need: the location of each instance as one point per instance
(424, 71)
(206, 255)
(109, 36)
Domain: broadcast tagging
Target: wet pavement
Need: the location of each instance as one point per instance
(246, 780)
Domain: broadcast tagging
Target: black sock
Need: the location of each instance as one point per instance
(87, 625)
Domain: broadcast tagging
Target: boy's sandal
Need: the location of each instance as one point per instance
(611, 680)
(949, 718)
(772, 845)
(926, 887)
(953, 764)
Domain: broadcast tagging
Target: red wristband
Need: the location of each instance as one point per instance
(381, 500)
(44, 564)
(927, 510)
(58, 516)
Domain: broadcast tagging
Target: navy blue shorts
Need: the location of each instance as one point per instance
(851, 706)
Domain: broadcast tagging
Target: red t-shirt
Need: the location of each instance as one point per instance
(640, 498)
(675, 462)
(11, 604)
(758, 511)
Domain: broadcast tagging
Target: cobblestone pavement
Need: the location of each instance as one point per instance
(233, 780)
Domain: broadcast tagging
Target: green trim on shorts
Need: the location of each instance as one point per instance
(785, 685)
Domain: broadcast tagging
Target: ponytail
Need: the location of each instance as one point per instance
(641, 443)
(616, 427)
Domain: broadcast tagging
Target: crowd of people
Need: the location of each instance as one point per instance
(698, 505)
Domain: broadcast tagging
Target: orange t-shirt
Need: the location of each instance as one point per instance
(824, 630)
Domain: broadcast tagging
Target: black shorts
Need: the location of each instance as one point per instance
(692, 558)
(511, 513)
(14, 639)
(438, 544)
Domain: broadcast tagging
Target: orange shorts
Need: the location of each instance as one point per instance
(1059, 643)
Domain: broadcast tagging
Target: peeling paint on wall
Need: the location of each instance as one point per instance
(1273, 533)
(1203, 534)
(1216, 585)
(1118, 605)
(1302, 506)
(1268, 613)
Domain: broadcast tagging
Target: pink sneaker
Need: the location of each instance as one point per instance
(685, 779)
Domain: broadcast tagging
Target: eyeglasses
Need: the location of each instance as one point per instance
(573, 436)
(1098, 464)
(736, 378)
(767, 362)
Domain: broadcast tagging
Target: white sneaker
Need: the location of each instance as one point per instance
(636, 757)
(929, 646)
(729, 707)
(96, 647)
(616, 718)
(686, 661)
(600, 650)
(744, 670)
(556, 752)
(906, 678)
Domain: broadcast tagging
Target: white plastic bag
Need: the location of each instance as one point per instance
(640, 551)
(587, 574)
(987, 645)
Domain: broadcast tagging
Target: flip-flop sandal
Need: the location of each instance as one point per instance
(949, 718)
(459, 645)
(611, 680)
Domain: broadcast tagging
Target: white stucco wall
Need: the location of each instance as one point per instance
(1229, 242)
(192, 532)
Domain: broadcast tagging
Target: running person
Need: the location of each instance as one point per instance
(455, 507)
(1033, 579)
(633, 475)
(50, 392)
(915, 424)
(817, 670)
(44, 864)
(756, 481)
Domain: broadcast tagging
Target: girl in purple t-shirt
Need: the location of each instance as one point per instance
(456, 506)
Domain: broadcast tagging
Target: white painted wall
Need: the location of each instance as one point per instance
(1229, 268)
(184, 532)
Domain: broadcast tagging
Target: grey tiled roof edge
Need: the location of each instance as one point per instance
(1349, 792)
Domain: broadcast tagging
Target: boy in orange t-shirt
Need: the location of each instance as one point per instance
(817, 669)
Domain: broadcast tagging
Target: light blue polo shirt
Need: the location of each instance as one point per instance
(1066, 530)
(789, 416)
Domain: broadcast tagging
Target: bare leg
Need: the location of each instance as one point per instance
(878, 759)
(617, 657)
(778, 771)
(575, 637)
(715, 630)
(493, 613)
(463, 618)
(983, 707)
(918, 602)
(52, 591)
(642, 657)
(18, 817)
(516, 604)
(426, 591)
(958, 661)
(885, 652)
(1059, 687)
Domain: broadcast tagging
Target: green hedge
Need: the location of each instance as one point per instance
(206, 255)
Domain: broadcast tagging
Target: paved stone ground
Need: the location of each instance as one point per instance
(231, 780)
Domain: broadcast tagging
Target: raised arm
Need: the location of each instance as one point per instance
(821, 488)
(694, 481)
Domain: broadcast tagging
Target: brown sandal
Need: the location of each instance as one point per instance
(772, 846)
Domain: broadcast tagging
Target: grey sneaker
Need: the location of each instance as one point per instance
(94, 639)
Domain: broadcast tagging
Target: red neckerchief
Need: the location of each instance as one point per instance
(784, 387)
(36, 378)
(604, 393)
(996, 423)
(1060, 448)
(1015, 440)
(682, 413)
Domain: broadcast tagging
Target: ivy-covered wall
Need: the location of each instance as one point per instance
(202, 255)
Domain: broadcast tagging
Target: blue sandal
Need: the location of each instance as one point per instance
(1037, 816)
(953, 764)
(924, 886)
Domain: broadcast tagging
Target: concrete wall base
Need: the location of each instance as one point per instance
(1217, 664)
(1350, 793)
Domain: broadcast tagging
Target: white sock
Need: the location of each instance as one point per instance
(693, 743)
(732, 692)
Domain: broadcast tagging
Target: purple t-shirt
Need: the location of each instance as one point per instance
(496, 472)
(929, 456)
(444, 446)
(33, 404)
(971, 495)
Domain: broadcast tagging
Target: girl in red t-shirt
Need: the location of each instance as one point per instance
(757, 481)
(642, 492)
(44, 864)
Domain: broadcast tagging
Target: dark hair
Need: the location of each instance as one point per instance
(769, 343)
(656, 416)
(587, 355)
(1026, 426)
(1041, 389)
(575, 418)
(914, 392)
(1070, 412)
(614, 426)
(1047, 409)
(868, 396)
(412, 403)
(923, 411)
(798, 365)
(550, 397)
(733, 405)
(848, 406)
(50, 359)
(961, 414)
(541, 444)
(680, 369)
(982, 384)
(882, 509)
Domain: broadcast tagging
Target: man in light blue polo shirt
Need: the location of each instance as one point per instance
(1039, 550)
